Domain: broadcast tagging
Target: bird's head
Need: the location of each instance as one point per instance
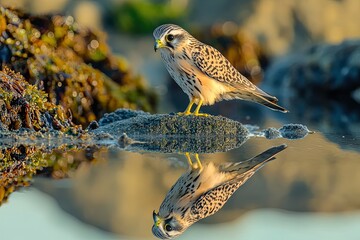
(168, 227)
(170, 37)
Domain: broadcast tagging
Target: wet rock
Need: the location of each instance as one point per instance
(3, 127)
(192, 144)
(141, 123)
(72, 64)
(93, 125)
(271, 133)
(125, 141)
(289, 131)
(329, 70)
(294, 131)
(172, 133)
(320, 87)
(118, 115)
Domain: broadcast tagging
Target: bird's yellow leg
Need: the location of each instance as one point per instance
(188, 109)
(187, 155)
(196, 112)
(199, 165)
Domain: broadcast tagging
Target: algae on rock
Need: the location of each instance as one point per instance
(22, 105)
(172, 133)
(72, 64)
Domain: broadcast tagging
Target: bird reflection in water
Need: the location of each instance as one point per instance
(202, 191)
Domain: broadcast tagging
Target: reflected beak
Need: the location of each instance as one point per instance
(158, 44)
(157, 219)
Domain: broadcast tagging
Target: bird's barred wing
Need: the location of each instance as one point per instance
(212, 63)
(214, 199)
(254, 163)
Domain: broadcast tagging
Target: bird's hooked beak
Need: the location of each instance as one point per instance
(158, 44)
(157, 219)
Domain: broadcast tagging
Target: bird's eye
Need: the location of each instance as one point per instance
(168, 227)
(169, 37)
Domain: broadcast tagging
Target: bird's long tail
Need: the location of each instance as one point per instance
(254, 163)
(259, 97)
(270, 102)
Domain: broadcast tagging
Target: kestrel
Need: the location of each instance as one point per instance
(203, 73)
(202, 191)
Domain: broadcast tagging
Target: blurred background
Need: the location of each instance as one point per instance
(307, 53)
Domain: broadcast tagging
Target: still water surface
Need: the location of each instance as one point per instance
(310, 191)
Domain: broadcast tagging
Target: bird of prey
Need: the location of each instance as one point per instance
(203, 73)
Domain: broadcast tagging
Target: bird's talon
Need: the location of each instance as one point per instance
(184, 113)
(201, 114)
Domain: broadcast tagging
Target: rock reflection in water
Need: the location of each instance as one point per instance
(337, 119)
(26, 154)
(202, 191)
(14, 172)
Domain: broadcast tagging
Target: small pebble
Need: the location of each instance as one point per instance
(272, 133)
(294, 131)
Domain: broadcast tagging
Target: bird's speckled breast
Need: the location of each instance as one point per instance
(175, 71)
(191, 80)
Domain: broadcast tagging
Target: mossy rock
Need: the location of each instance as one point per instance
(72, 64)
(23, 105)
(172, 133)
